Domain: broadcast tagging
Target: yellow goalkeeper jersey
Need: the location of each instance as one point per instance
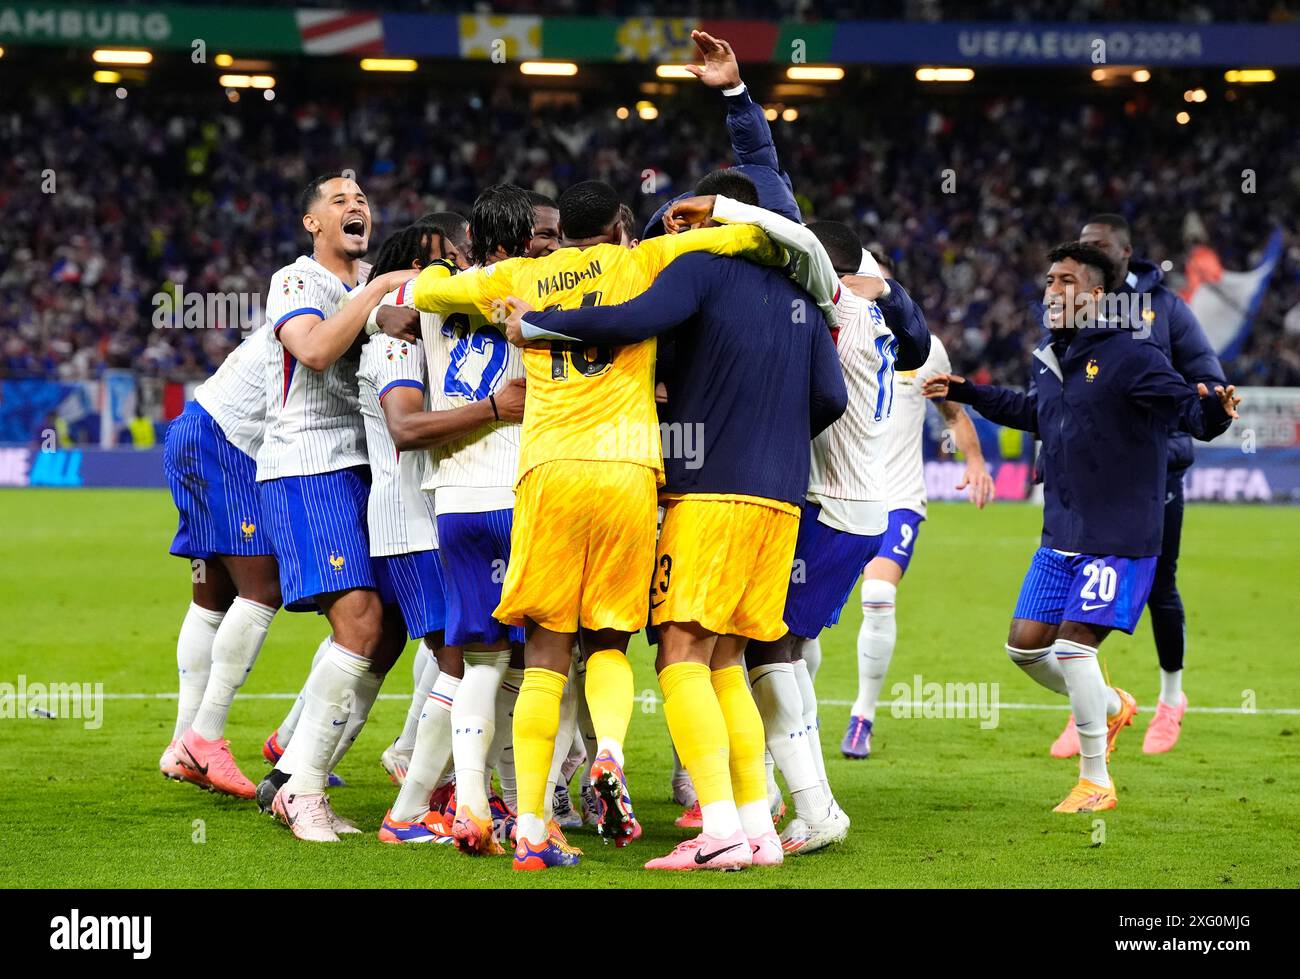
(587, 403)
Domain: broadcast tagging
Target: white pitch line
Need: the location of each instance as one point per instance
(910, 705)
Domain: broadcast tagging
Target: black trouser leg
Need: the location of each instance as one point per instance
(1168, 623)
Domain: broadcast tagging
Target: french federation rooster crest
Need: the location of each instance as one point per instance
(1091, 369)
(248, 528)
(336, 562)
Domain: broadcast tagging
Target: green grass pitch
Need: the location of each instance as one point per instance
(88, 594)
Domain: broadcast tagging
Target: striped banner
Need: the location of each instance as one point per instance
(340, 32)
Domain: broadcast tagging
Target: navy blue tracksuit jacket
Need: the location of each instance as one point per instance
(1103, 405)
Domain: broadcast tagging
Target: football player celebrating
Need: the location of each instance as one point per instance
(1103, 405)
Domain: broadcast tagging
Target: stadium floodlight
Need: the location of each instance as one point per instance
(553, 68)
(1249, 76)
(388, 64)
(121, 56)
(814, 73)
(647, 110)
(622, 112)
(2, 52)
(105, 77)
(246, 81)
(224, 60)
(931, 74)
(1183, 118)
(1141, 75)
(790, 115)
(673, 71)
(1195, 95)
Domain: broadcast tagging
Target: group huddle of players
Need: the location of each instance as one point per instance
(522, 437)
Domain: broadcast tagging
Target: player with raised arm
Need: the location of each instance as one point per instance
(898, 449)
(585, 507)
(1103, 404)
(313, 484)
(730, 524)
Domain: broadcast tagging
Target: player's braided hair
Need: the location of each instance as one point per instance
(1089, 255)
(402, 249)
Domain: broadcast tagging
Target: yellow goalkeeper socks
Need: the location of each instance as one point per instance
(609, 699)
(746, 745)
(537, 720)
(698, 730)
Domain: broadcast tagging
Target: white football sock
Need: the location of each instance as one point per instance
(722, 819)
(773, 790)
(1171, 687)
(194, 662)
(364, 694)
(811, 652)
(755, 818)
(422, 679)
(330, 692)
(586, 730)
(473, 725)
(1088, 690)
(777, 694)
(564, 735)
(234, 651)
(876, 639)
(284, 733)
(501, 755)
(1041, 666)
(811, 723)
(431, 757)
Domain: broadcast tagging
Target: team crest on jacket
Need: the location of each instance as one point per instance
(336, 562)
(1091, 370)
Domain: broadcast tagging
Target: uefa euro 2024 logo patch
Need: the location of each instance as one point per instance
(398, 350)
(293, 283)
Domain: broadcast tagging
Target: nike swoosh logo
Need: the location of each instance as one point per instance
(655, 605)
(1042, 370)
(1088, 608)
(900, 550)
(194, 764)
(337, 723)
(701, 857)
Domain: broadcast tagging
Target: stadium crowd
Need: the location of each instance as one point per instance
(111, 202)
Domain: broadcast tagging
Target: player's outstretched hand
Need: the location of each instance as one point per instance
(866, 286)
(402, 322)
(510, 401)
(936, 388)
(720, 68)
(510, 313)
(1227, 397)
(687, 212)
(980, 484)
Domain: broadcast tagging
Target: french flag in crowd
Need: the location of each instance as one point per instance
(1225, 302)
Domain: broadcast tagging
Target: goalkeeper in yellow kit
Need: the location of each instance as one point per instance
(583, 547)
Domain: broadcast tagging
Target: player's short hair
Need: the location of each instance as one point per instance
(627, 220)
(588, 208)
(1116, 222)
(541, 200)
(841, 244)
(502, 217)
(729, 183)
(1089, 255)
(402, 249)
(451, 225)
(311, 193)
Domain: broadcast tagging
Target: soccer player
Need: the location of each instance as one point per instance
(897, 447)
(841, 522)
(208, 459)
(546, 225)
(1103, 404)
(312, 476)
(731, 513)
(585, 512)
(472, 467)
(1173, 327)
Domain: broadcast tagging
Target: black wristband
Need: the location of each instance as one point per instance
(495, 414)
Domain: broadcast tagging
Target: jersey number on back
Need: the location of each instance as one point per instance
(477, 360)
(587, 360)
(887, 348)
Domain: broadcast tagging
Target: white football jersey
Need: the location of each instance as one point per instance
(468, 359)
(847, 476)
(235, 396)
(901, 444)
(313, 422)
(399, 514)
